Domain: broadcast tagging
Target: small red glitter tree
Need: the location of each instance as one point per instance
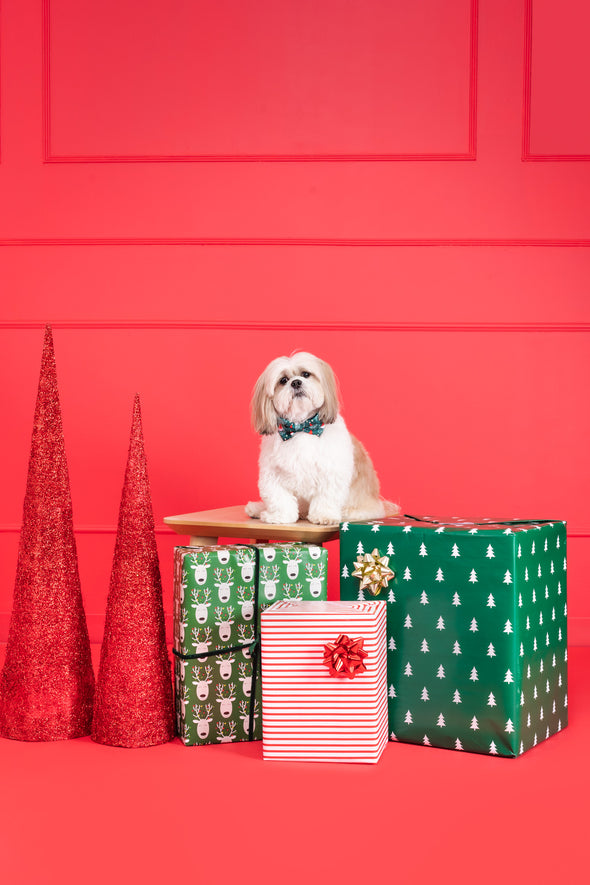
(47, 682)
(133, 703)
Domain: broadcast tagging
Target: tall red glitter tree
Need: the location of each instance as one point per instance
(47, 682)
(133, 704)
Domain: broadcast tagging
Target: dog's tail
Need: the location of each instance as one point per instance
(390, 508)
(377, 508)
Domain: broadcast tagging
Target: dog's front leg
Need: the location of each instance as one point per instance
(280, 505)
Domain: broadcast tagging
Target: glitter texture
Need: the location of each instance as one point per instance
(133, 703)
(47, 683)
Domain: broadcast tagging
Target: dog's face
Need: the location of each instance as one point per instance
(294, 388)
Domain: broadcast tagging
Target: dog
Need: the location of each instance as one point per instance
(310, 466)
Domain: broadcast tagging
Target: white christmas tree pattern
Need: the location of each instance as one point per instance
(498, 633)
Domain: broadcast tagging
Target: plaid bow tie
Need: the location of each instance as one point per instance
(312, 425)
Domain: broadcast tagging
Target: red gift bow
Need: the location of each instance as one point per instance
(345, 656)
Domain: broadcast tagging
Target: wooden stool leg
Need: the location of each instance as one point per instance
(198, 541)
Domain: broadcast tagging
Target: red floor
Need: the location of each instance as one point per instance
(79, 812)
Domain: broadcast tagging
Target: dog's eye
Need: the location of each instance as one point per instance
(305, 374)
(283, 380)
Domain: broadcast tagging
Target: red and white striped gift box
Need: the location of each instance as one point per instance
(307, 714)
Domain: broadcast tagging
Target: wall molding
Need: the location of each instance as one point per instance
(527, 155)
(95, 622)
(228, 325)
(578, 628)
(469, 155)
(301, 242)
(11, 528)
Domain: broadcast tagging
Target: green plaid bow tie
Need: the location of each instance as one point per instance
(312, 425)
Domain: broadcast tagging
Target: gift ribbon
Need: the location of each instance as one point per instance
(253, 645)
(345, 656)
(374, 572)
(507, 522)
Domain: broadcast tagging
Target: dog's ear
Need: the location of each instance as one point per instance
(264, 417)
(329, 410)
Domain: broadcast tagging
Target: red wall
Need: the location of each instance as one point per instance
(189, 189)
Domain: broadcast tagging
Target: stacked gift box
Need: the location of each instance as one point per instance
(477, 627)
(475, 649)
(219, 594)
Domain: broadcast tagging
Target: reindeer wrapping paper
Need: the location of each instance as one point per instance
(214, 610)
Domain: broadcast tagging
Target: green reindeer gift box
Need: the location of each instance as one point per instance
(219, 593)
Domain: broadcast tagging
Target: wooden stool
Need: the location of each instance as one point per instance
(206, 527)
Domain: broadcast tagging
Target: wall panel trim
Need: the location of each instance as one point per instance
(14, 528)
(332, 242)
(578, 628)
(285, 325)
(296, 325)
(527, 155)
(468, 155)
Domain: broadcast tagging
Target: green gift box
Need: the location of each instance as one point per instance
(219, 594)
(476, 626)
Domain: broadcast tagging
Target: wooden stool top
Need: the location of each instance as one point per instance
(207, 526)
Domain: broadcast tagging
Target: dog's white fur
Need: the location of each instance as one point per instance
(326, 479)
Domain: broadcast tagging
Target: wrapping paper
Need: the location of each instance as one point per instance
(477, 628)
(309, 714)
(219, 593)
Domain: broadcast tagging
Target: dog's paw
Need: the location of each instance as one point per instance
(279, 517)
(254, 509)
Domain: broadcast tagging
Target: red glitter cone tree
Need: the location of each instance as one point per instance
(47, 682)
(133, 704)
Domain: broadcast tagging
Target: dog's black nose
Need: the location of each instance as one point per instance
(296, 383)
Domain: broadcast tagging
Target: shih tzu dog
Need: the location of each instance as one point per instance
(311, 467)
